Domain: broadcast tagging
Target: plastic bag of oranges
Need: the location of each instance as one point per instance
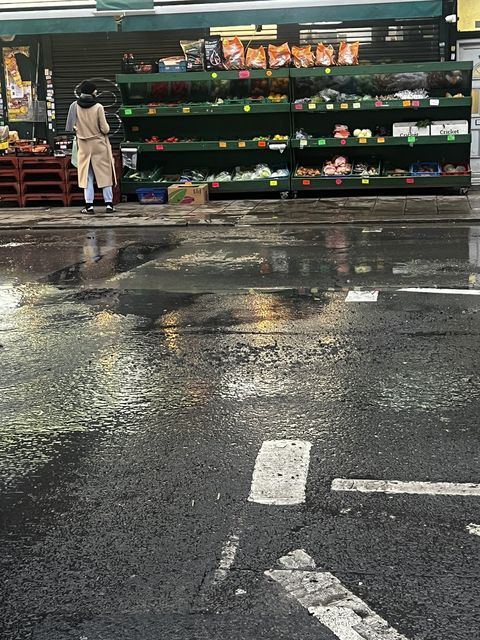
(325, 55)
(233, 53)
(348, 53)
(303, 56)
(256, 58)
(279, 56)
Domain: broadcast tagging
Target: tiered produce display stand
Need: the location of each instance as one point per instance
(273, 130)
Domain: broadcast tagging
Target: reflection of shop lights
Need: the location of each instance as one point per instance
(106, 318)
(9, 298)
(169, 326)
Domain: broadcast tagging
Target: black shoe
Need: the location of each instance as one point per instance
(88, 209)
(110, 208)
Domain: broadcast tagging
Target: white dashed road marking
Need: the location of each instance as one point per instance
(227, 558)
(398, 486)
(457, 292)
(280, 472)
(332, 604)
(362, 296)
(474, 529)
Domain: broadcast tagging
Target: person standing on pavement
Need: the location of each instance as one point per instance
(86, 117)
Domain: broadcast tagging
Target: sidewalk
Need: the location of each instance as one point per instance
(346, 210)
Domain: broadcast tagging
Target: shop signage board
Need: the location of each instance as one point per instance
(19, 90)
(468, 15)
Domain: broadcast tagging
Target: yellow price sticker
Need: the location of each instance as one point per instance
(222, 145)
(328, 70)
(152, 112)
(247, 108)
(365, 181)
(186, 109)
(214, 75)
(241, 145)
(273, 183)
(312, 105)
(344, 105)
(407, 103)
(362, 141)
(380, 140)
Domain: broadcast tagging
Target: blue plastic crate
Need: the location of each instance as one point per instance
(416, 169)
(152, 196)
(172, 68)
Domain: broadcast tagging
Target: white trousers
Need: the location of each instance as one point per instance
(90, 190)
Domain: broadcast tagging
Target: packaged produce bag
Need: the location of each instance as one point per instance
(348, 53)
(279, 56)
(213, 53)
(233, 53)
(256, 58)
(193, 51)
(325, 55)
(303, 56)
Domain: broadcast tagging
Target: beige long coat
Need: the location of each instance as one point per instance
(94, 147)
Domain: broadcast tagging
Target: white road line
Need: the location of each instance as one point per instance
(457, 292)
(227, 558)
(280, 472)
(333, 605)
(372, 230)
(398, 486)
(474, 529)
(362, 296)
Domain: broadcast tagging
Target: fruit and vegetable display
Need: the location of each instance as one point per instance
(337, 166)
(458, 168)
(276, 137)
(365, 169)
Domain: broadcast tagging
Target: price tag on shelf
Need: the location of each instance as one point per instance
(152, 112)
(344, 105)
(380, 140)
(268, 73)
(415, 103)
(411, 139)
(128, 112)
(338, 181)
(135, 128)
(407, 103)
(262, 143)
(241, 145)
(365, 181)
(312, 106)
(247, 108)
(303, 143)
(306, 183)
(222, 145)
(215, 185)
(322, 141)
(186, 110)
(328, 71)
(451, 137)
(356, 105)
(362, 141)
(273, 183)
(410, 181)
(159, 147)
(243, 74)
(299, 106)
(343, 141)
(214, 75)
(379, 103)
(434, 102)
(330, 107)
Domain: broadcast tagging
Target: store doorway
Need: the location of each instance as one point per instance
(470, 50)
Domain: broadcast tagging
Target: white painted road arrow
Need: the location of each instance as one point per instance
(327, 600)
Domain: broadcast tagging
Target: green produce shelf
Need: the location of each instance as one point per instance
(204, 109)
(232, 186)
(381, 182)
(373, 69)
(380, 105)
(220, 145)
(377, 142)
(201, 76)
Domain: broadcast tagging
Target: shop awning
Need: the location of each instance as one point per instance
(183, 14)
(33, 17)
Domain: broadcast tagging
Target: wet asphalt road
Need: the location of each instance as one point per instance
(143, 369)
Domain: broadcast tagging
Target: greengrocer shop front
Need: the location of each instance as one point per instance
(260, 97)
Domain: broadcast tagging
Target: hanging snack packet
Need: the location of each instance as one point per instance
(233, 53)
(256, 58)
(325, 55)
(193, 51)
(213, 53)
(279, 56)
(348, 53)
(303, 56)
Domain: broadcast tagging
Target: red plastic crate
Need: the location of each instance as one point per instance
(45, 199)
(8, 163)
(11, 201)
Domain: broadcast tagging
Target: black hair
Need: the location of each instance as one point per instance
(88, 87)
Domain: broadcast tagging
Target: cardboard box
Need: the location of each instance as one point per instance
(405, 129)
(449, 127)
(188, 194)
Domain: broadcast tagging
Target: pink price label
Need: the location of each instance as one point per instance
(299, 107)
(159, 147)
(243, 74)
(379, 103)
(343, 141)
(415, 103)
(410, 181)
(338, 181)
(215, 185)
